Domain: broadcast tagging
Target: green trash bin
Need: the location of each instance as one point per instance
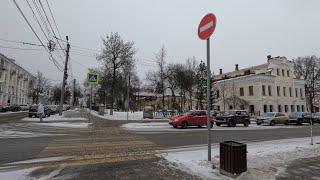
(233, 158)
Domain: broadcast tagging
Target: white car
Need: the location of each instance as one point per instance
(24, 107)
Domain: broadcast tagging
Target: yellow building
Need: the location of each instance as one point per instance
(270, 87)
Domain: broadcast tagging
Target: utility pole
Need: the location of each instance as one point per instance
(128, 96)
(65, 76)
(74, 92)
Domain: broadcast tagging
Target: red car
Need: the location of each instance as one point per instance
(192, 118)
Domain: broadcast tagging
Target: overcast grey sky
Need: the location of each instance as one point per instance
(246, 32)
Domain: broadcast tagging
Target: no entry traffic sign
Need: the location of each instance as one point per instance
(207, 26)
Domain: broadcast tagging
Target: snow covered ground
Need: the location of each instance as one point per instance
(165, 127)
(66, 124)
(19, 134)
(20, 174)
(133, 116)
(41, 160)
(55, 118)
(265, 159)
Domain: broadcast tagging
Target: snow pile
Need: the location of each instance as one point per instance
(135, 116)
(264, 158)
(66, 124)
(21, 174)
(55, 117)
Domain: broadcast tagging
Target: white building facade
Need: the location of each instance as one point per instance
(16, 84)
(270, 87)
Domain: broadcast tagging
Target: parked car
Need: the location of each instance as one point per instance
(14, 108)
(53, 109)
(316, 117)
(273, 118)
(24, 107)
(300, 117)
(192, 118)
(3, 108)
(233, 117)
(33, 111)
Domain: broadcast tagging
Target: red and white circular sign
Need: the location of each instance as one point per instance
(207, 26)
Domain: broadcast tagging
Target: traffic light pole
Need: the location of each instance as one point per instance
(208, 99)
(64, 77)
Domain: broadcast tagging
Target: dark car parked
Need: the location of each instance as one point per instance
(14, 108)
(233, 117)
(33, 111)
(4, 108)
(300, 117)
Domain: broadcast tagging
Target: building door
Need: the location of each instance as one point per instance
(251, 109)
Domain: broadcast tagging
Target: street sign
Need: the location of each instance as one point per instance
(92, 78)
(205, 30)
(207, 26)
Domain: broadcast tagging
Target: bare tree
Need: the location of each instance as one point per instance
(115, 55)
(308, 68)
(42, 84)
(158, 78)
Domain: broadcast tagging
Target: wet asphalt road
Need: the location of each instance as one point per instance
(171, 140)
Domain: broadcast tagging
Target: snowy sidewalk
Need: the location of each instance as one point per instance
(122, 116)
(266, 160)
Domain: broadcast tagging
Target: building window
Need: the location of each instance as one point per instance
(278, 72)
(250, 90)
(288, 73)
(241, 91)
(282, 72)
(301, 94)
(285, 108)
(218, 94)
(230, 107)
(269, 91)
(265, 108)
(292, 108)
(251, 109)
(218, 108)
(242, 107)
(284, 91)
(296, 92)
(279, 108)
(302, 108)
(271, 108)
(298, 108)
(290, 91)
(278, 90)
(263, 90)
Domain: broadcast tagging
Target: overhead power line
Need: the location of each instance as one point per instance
(54, 21)
(34, 32)
(10, 47)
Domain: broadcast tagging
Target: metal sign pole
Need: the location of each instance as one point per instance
(90, 102)
(208, 99)
(311, 124)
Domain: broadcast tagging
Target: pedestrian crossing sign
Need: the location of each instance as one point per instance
(92, 78)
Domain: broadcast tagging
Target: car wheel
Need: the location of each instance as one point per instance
(299, 122)
(175, 127)
(286, 123)
(30, 116)
(258, 124)
(218, 124)
(199, 126)
(184, 125)
(246, 123)
(272, 123)
(230, 124)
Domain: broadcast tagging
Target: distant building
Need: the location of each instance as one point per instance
(270, 87)
(16, 84)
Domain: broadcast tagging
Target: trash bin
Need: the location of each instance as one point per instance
(101, 109)
(233, 158)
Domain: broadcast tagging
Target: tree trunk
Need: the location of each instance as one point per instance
(113, 86)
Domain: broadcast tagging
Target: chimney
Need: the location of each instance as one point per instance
(220, 71)
(237, 67)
